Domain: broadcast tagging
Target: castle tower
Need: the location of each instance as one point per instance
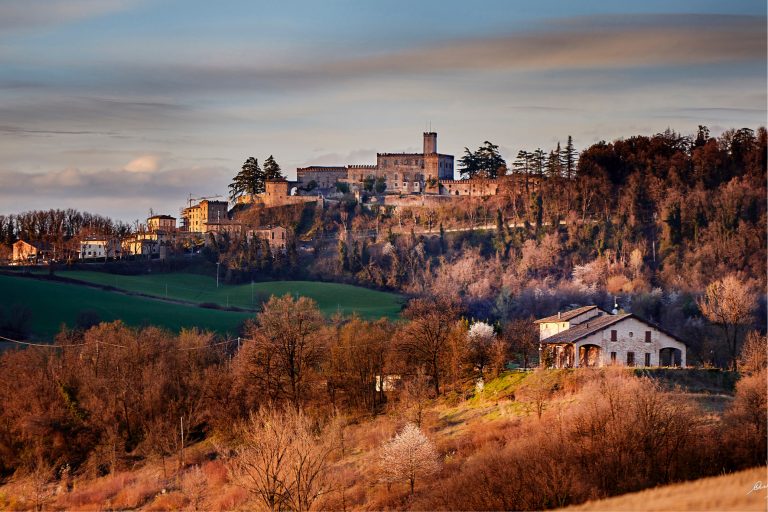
(275, 191)
(430, 143)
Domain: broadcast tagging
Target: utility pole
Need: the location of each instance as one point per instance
(181, 466)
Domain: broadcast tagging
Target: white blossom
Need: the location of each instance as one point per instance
(408, 455)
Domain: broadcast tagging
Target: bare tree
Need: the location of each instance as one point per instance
(523, 338)
(193, 485)
(283, 459)
(415, 394)
(424, 339)
(286, 348)
(754, 354)
(410, 454)
(729, 303)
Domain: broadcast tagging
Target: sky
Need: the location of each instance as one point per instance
(121, 106)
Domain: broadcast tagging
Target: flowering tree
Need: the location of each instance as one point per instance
(408, 455)
(480, 338)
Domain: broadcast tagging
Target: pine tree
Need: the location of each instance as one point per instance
(272, 169)
(539, 159)
(250, 180)
(486, 162)
(568, 159)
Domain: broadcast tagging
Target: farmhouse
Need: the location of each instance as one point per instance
(589, 336)
(99, 247)
(30, 252)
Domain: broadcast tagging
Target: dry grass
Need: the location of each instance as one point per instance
(718, 493)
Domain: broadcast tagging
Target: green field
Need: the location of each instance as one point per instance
(53, 304)
(330, 297)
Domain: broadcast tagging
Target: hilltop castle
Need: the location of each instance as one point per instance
(403, 173)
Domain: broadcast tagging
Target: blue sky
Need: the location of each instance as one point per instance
(119, 106)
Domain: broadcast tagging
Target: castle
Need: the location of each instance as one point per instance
(428, 172)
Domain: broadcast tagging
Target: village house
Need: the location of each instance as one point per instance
(31, 252)
(231, 227)
(277, 236)
(161, 223)
(194, 219)
(99, 247)
(589, 336)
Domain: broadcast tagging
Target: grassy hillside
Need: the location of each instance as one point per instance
(330, 297)
(726, 492)
(53, 304)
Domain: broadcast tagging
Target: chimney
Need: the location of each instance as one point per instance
(559, 314)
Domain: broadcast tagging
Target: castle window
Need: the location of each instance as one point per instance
(630, 359)
(613, 335)
(613, 357)
(647, 359)
(647, 336)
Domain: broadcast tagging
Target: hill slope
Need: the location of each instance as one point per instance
(721, 493)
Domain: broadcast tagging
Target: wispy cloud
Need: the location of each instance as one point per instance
(30, 14)
(75, 183)
(582, 44)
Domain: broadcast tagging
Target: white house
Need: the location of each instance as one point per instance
(99, 247)
(589, 336)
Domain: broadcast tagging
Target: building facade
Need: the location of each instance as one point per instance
(402, 173)
(589, 336)
(30, 252)
(99, 247)
(276, 236)
(161, 223)
(195, 218)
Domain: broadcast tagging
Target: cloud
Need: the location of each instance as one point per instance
(73, 183)
(633, 42)
(144, 163)
(27, 14)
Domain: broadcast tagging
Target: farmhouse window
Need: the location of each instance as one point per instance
(613, 357)
(647, 359)
(613, 335)
(630, 359)
(647, 336)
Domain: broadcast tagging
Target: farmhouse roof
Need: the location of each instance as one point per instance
(565, 316)
(40, 246)
(583, 330)
(599, 323)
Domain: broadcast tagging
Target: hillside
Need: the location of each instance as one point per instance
(721, 493)
(472, 431)
(51, 304)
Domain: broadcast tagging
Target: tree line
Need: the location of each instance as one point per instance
(102, 395)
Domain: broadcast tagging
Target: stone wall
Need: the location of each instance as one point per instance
(324, 177)
(630, 337)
